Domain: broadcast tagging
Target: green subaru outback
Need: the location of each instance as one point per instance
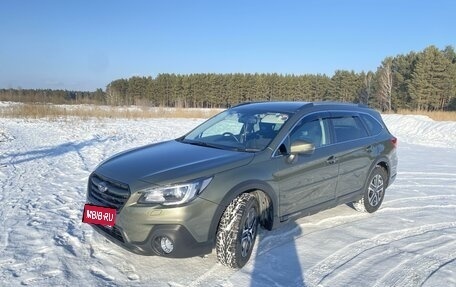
(256, 164)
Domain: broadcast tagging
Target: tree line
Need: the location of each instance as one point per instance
(424, 80)
(53, 96)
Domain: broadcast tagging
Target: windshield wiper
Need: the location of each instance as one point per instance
(223, 147)
(242, 149)
(251, 149)
(200, 143)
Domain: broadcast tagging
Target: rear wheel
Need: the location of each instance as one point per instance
(374, 193)
(237, 231)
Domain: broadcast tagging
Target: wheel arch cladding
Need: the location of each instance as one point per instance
(384, 164)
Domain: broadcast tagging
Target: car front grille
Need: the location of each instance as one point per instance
(106, 192)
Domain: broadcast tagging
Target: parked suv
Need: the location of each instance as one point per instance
(256, 164)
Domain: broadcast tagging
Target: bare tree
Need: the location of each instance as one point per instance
(385, 84)
(367, 87)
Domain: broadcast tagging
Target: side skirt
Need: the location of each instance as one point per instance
(351, 197)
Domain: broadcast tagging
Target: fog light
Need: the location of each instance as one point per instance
(166, 245)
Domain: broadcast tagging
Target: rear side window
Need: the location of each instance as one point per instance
(348, 128)
(372, 124)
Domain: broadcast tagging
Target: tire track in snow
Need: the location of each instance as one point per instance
(415, 208)
(371, 262)
(321, 273)
(445, 264)
(424, 186)
(425, 174)
(415, 270)
(423, 178)
(272, 241)
(419, 198)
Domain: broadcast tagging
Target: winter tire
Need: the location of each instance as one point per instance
(374, 191)
(237, 231)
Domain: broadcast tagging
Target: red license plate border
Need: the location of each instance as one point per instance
(101, 215)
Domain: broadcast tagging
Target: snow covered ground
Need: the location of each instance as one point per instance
(44, 165)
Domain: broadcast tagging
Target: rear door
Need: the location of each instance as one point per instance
(354, 152)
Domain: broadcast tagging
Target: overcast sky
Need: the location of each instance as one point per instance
(84, 45)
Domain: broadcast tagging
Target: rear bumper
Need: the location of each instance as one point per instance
(185, 245)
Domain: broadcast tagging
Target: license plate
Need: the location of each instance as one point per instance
(99, 215)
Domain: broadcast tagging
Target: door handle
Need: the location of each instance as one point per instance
(332, 160)
(369, 149)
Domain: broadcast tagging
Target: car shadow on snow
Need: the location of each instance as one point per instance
(50, 152)
(276, 261)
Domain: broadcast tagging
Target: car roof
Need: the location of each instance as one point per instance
(282, 107)
(293, 107)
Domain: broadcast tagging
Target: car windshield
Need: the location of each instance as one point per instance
(239, 130)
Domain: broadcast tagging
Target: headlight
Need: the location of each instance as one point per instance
(174, 194)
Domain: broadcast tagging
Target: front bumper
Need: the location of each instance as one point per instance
(139, 228)
(185, 245)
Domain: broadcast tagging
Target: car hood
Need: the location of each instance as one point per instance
(170, 161)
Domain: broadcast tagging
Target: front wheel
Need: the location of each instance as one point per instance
(374, 192)
(237, 231)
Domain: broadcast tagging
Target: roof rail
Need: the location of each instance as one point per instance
(343, 103)
(306, 105)
(241, 104)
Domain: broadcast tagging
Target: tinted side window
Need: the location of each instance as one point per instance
(372, 124)
(348, 128)
(315, 131)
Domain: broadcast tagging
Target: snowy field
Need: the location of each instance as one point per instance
(44, 166)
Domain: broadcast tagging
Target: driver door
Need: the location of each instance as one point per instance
(307, 179)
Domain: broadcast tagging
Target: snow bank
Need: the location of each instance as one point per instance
(422, 130)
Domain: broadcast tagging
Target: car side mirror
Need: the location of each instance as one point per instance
(302, 147)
